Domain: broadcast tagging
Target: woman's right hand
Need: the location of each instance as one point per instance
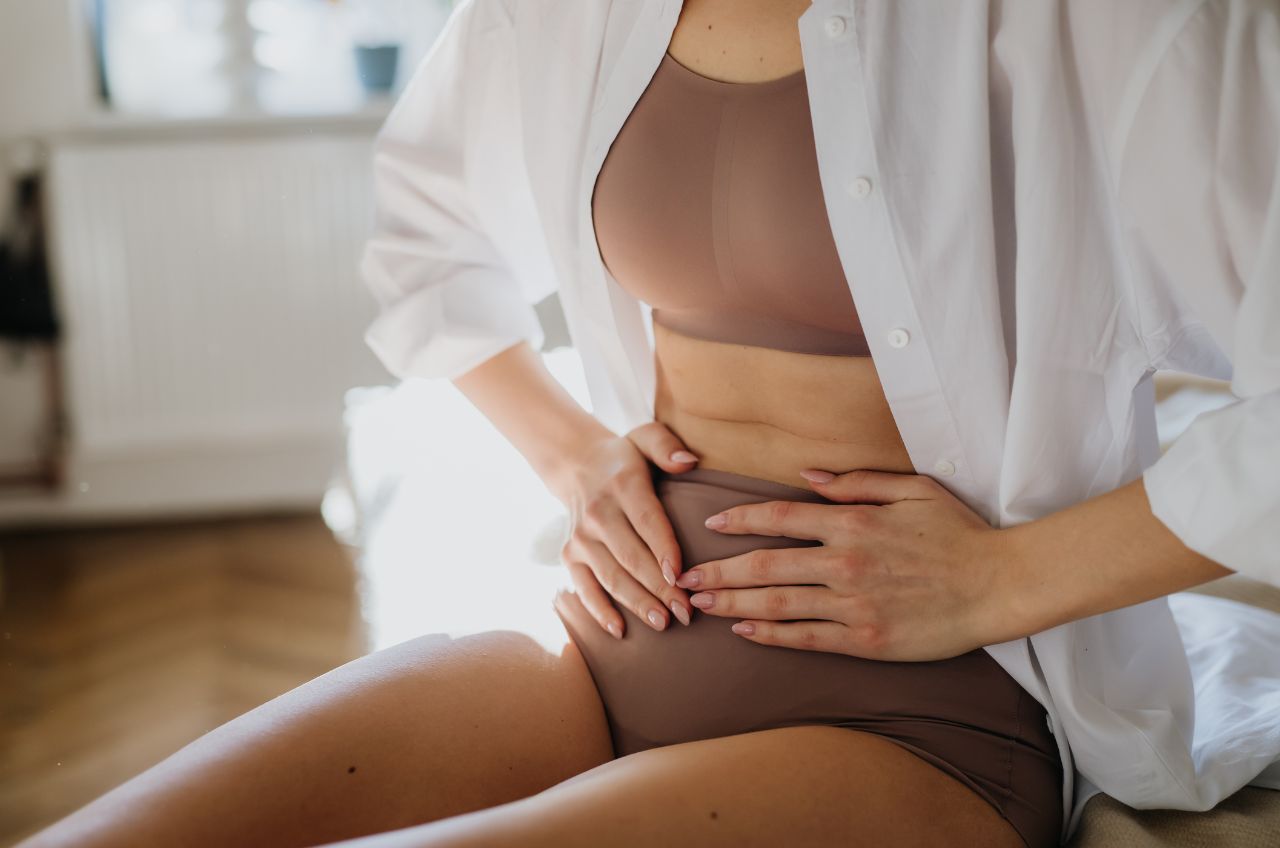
(620, 535)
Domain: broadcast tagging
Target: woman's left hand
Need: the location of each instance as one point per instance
(906, 571)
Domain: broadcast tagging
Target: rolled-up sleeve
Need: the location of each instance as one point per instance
(1198, 187)
(448, 296)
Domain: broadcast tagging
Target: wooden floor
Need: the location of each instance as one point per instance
(120, 645)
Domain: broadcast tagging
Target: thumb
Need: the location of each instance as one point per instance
(863, 485)
(662, 447)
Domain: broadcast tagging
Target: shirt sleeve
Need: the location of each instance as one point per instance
(448, 296)
(1198, 188)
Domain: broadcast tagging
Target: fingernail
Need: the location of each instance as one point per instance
(667, 572)
(655, 618)
(716, 521)
(615, 629)
(681, 614)
(683, 456)
(703, 600)
(689, 580)
(744, 628)
(817, 476)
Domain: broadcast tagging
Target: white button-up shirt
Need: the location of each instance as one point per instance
(1036, 203)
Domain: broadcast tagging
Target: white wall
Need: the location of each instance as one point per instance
(46, 79)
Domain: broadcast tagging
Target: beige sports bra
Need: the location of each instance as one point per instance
(709, 208)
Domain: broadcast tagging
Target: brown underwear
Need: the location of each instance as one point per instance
(964, 715)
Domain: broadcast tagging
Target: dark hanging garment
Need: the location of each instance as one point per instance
(27, 309)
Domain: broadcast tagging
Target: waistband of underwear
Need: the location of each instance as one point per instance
(737, 482)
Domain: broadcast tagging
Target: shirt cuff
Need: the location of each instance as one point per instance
(1217, 487)
(450, 327)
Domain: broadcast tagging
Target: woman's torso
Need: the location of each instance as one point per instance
(752, 409)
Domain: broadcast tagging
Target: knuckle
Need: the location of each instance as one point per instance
(850, 561)
(642, 431)
(649, 515)
(710, 574)
(605, 577)
(870, 633)
(635, 563)
(864, 610)
(595, 511)
(779, 511)
(634, 476)
(572, 546)
(776, 601)
(861, 477)
(579, 545)
(637, 437)
(855, 519)
(587, 526)
(807, 637)
(872, 637)
(760, 563)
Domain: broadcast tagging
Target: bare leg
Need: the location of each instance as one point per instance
(793, 786)
(426, 729)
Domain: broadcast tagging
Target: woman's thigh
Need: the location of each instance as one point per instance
(426, 729)
(794, 786)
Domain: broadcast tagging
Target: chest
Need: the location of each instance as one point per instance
(957, 224)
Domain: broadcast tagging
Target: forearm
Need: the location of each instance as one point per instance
(1098, 555)
(530, 407)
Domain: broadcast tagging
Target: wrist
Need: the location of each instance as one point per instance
(1095, 556)
(1021, 589)
(559, 464)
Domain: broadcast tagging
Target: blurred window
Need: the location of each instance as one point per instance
(200, 58)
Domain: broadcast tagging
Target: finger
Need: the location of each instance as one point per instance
(622, 585)
(796, 519)
(866, 486)
(765, 567)
(648, 517)
(776, 603)
(662, 447)
(829, 636)
(596, 600)
(635, 556)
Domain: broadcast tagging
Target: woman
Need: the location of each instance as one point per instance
(914, 673)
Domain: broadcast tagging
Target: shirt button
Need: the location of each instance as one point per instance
(945, 467)
(898, 337)
(860, 187)
(834, 26)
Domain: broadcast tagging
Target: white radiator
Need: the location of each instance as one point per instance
(213, 314)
